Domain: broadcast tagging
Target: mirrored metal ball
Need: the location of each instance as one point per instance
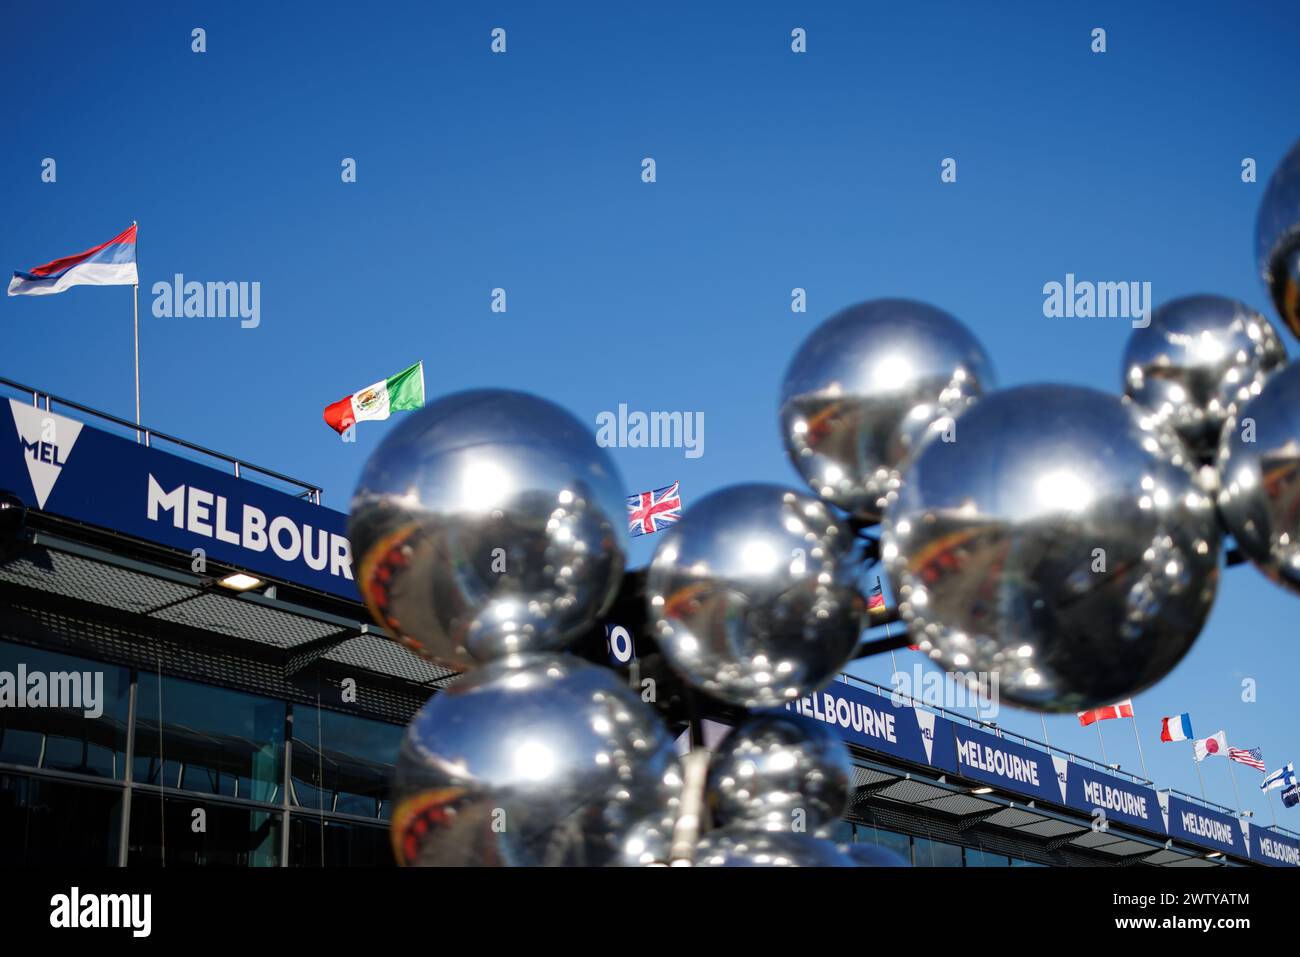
(488, 523)
(780, 772)
(1259, 478)
(743, 847)
(866, 388)
(1061, 543)
(530, 760)
(753, 595)
(1277, 239)
(1200, 357)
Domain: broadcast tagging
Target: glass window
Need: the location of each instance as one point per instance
(350, 774)
(900, 844)
(229, 837)
(213, 740)
(44, 822)
(339, 843)
(975, 857)
(841, 832)
(928, 853)
(1017, 862)
(78, 721)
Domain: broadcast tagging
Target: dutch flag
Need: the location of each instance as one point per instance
(1176, 729)
(108, 264)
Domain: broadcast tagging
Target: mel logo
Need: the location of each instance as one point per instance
(46, 440)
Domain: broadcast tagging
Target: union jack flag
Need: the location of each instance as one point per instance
(650, 511)
(1254, 757)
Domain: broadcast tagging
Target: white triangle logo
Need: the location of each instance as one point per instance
(1245, 832)
(1062, 769)
(1163, 798)
(926, 720)
(46, 441)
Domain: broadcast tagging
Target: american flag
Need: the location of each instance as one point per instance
(1254, 757)
(650, 511)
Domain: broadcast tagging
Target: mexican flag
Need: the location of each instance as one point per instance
(395, 394)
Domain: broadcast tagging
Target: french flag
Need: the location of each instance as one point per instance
(108, 264)
(1177, 728)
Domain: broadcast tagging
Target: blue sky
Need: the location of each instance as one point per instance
(522, 171)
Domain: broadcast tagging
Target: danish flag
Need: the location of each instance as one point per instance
(650, 511)
(1122, 710)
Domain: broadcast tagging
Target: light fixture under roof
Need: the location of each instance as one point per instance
(239, 582)
(981, 790)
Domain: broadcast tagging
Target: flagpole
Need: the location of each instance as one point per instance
(893, 662)
(1104, 760)
(1199, 776)
(1138, 738)
(1233, 776)
(1044, 723)
(135, 324)
(1268, 796)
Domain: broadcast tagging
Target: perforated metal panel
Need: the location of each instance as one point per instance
(866, 777)
(1051, 828)
(1125, 848)
(959, 804)
(910, 792)
(1095, 839)
(1013, 817)
(226, 615)
(72, 576)
(1165, 857)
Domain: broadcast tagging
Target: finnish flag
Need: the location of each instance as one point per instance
(1281, 778)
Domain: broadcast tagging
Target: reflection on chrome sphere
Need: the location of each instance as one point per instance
(530, 760)
(780, 772)
(488, 523)
(649, 842)
(1061, 542)
(743, 847)
(753, 595)
(872, 855)
(1200, 357)
(864, 391)
(1259, 478)
(1277, 238)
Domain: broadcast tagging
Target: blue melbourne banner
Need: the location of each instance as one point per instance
(1201, 825)
(1121, 800)
(1005, 764)
(67, 468)
(1269, 847)
(874, 721)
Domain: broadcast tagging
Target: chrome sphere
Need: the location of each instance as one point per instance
(530, 760)
(1200, 357)
(866, 388)
(780, 772)
(743, 847)
(488, 523)
(1259, 478)
(649, 843)
(753, 595)
(871, 855)
(1061, 542)
(1277, 239)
